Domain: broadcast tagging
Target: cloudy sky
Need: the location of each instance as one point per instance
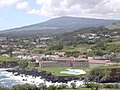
(16, 13)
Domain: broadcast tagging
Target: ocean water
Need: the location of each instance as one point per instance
(7, 79)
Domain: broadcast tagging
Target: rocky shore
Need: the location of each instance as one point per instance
(44, 75)
(8, 64)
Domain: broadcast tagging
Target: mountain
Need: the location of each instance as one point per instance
(56, 26)
(115, 25)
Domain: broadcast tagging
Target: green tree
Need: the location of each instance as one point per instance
(23, 64)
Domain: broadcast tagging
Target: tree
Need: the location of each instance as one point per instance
(56, 47)
(10, 50)
(23, 64)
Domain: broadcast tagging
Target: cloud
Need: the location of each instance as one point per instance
(6, 3)
(81, 8)
(85, 8)
(23, 6)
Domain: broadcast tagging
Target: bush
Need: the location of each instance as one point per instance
(23, 64)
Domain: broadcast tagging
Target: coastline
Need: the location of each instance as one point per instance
(36, 80)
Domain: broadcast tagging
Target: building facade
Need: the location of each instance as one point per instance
(72, 62)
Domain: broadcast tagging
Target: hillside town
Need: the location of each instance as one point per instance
(25, 49)
(59, 44)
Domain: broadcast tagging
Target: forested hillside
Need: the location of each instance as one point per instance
(95, 40)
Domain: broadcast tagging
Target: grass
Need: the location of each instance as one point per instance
(56, 71)
(114, 43)
(80, 48)
(6, 59)
(108, 67)
(113, 26)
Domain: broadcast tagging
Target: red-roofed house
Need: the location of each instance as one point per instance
(73, 62)
(60, 53)
(96, 63)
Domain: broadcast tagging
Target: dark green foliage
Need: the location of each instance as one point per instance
(23, 64)
(33, 87)
(56, 47)
(3, 88)
(10, 50)
(100, 75)
(106, 41)
(72, 53)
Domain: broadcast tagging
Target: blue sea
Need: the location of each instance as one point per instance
(6, 79)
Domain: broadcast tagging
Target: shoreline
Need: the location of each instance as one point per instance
(24, 78)
(20, 79)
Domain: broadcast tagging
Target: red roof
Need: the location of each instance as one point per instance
(99, 61)
(81, 59)
(84, 59)
(70, 59)
(63, 59)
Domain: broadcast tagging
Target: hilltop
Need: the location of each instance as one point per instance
(56, 26)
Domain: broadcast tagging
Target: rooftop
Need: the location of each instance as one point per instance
(84, 59)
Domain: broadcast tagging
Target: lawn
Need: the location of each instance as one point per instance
(80, 48)
(56, 71)
(6, 58)
(108, 67)
(114, 43)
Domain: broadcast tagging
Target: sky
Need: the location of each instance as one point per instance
(17, 13)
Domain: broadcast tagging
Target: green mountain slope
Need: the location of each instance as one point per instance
(56, 26)
(115, 25)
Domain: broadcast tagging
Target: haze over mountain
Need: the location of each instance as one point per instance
(56, 26)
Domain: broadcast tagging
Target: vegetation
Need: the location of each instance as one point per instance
(115, 25)
(23, 64)
(104, 74)
(94, 41)
(55, 71)
(2, 58)
(52, 87)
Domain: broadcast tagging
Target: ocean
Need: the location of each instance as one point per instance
(7, 79)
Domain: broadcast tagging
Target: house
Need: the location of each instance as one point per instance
(60, 53)
(107, 56)
(73, 62)
(52, 56)
(96, 63)
(116, 55)
(3, 38)
(64, 62)
(37, 57)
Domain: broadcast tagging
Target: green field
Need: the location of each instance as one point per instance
(114, 43)
(108, 67)
(56, 71)
(6, 59)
